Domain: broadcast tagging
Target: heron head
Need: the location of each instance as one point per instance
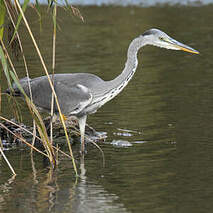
(160, 39)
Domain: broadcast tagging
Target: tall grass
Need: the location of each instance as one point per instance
(16, 15)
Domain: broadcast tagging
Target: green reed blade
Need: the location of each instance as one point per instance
(2, 18)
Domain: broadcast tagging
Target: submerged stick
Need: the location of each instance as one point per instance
(24, 141)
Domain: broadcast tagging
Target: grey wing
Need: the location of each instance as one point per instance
(72, 98)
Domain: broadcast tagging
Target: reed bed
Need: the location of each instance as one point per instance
(15, 14)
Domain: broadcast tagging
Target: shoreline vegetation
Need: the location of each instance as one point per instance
(12, 15)
(137, 3)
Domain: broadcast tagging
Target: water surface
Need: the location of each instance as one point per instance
(165, 113)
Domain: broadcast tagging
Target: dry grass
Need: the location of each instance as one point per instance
(16, 15)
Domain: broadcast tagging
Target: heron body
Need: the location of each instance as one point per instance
(80, 94)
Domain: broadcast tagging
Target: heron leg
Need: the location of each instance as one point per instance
(82, 123)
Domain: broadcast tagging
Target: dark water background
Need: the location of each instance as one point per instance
(165, 113)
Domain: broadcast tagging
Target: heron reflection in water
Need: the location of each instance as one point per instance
(81, 94)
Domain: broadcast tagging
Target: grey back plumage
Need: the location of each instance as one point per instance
(74, 91)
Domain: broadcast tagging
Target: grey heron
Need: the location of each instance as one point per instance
(80, 94)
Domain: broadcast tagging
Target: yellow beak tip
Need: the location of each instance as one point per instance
(189, 50)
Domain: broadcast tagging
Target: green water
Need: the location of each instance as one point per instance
(165, 112)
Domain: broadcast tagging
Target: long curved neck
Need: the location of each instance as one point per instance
(112, 88)
(131, 64)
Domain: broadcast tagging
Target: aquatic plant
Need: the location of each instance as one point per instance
(14, 13)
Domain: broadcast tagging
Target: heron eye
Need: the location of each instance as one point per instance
(161, 38)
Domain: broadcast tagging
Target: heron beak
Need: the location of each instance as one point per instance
(183, 47)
